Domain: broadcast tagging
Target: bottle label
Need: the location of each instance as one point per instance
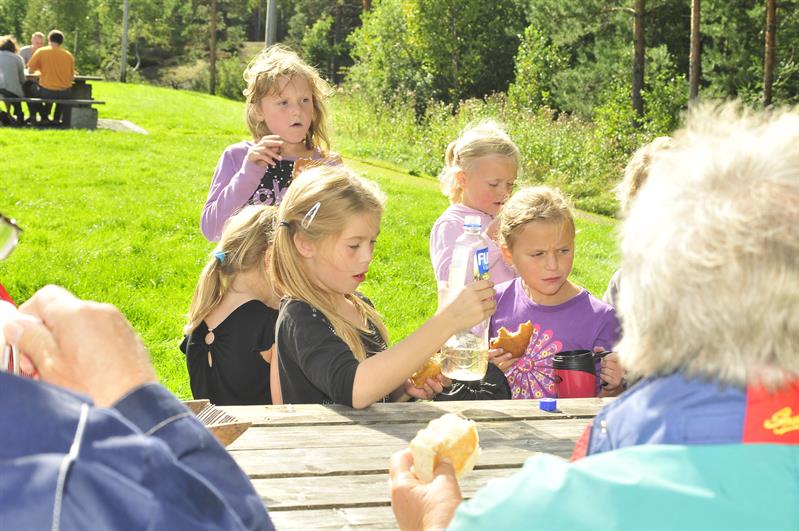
(481, 264)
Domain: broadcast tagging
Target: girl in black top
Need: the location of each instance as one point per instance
(231, 329)
(331, 343)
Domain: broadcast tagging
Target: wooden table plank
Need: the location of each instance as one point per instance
(351, 518)
(353, 450)
(330, 492)
(508, 410)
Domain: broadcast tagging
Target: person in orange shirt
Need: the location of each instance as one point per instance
(56, 68)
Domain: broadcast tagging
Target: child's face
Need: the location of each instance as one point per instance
(289, 112)
(488, 183)
(341, 262)
(543, 253)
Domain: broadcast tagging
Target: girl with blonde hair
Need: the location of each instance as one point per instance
(536, 234)
(478, 176)
(231, 328)
(331, 342)
(287, 117)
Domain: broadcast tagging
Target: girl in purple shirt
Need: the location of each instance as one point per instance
(536, 234)
(287, 118)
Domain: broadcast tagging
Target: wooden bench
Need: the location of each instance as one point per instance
(77, 113)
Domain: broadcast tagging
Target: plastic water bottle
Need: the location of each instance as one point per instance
(465, 355)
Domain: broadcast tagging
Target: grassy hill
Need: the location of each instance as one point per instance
(114, 217)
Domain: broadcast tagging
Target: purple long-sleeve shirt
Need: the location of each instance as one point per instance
(238, 182)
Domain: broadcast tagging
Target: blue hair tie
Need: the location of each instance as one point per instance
(220, 255)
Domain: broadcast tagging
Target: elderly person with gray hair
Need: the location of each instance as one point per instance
(710, 308)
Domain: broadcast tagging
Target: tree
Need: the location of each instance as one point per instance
(693, 76)
(768, 59)
(639, 51)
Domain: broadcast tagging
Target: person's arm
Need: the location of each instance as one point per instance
(233, 184)
(157, 413)
(90, 348)
(382, 373)
(442, 239)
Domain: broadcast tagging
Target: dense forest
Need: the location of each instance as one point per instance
(625, 68)
(570, 55)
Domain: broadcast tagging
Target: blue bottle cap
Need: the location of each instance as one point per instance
(548, 404)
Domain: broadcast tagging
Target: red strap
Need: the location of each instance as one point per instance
(772, 417)
(581, 446)
(5, 296)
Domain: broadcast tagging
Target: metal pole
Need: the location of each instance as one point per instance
(271, 22)
(124, 61)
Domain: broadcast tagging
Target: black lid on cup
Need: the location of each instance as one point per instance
(575, 360)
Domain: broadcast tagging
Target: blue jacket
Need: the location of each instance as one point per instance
(670, 410)
(146, 463)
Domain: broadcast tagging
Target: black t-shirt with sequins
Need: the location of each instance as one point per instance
(274, 184)
(237, 373)
(316, 366)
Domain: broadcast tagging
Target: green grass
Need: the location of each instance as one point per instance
(115, 217)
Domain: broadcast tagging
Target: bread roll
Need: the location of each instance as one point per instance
(449, 436)
(430, 369)
(513, 342)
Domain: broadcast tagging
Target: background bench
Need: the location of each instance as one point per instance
(77, 113)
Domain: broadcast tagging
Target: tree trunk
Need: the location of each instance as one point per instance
(694, 60)
(367, 5)
(212, 83)
(639, 7)
(123, 63)
(768, 60)
(336, 39)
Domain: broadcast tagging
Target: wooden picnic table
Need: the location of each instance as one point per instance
(320, 466)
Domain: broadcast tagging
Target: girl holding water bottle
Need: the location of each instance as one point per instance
(331, 342)
(478, 176)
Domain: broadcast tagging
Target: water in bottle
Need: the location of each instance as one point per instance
(465, 355)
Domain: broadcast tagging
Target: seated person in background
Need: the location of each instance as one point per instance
(12, 74)
(231, 327)
(635, 174)
(711, 287)
(37, 41)
(56, 68)
(536, 235)
(122, 454)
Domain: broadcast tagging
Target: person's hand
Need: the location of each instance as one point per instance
(473, 304)
(503, 360)
(430, 388)
(418, 505)
(610, 372)
(84, 346)
(266, 152)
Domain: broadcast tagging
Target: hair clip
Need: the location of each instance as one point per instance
(309, 217)
(220, 255)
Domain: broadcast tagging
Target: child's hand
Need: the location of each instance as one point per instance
(611, 372)
(431, 387)
(474, 303)
(266, 152)
(503, 360)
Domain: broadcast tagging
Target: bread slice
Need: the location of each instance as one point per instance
(449, 436)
